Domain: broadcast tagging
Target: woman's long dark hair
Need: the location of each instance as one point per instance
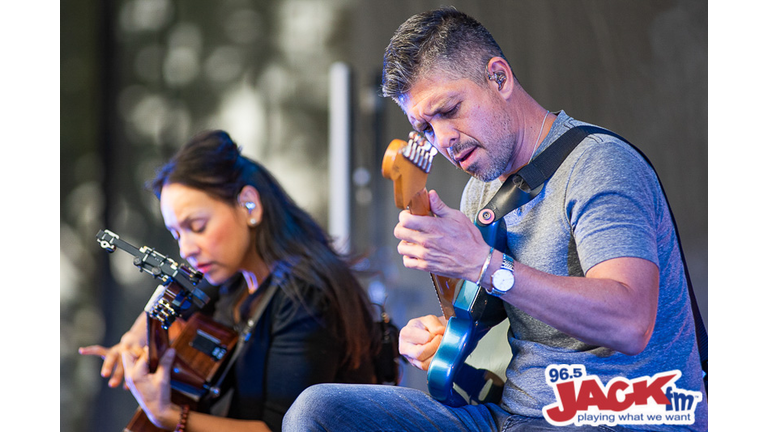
(212, 162)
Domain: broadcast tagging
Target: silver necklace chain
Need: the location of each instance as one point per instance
(536, 143)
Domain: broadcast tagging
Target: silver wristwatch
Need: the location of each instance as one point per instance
(503, 279)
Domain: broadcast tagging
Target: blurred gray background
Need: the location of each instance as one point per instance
(139, 77)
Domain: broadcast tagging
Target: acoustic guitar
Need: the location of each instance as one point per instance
(202, 345)
(454, 377)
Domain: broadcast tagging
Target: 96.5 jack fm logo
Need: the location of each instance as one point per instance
(583, 399)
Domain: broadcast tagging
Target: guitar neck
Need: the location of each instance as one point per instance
(407, 165)
(419, 204)
(157, 342)
(444, 287)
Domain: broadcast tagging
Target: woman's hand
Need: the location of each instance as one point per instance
(420, 338)
(133, 341)
(152, 390)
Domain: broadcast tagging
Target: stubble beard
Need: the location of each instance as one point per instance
(497, 155)
(500, 150)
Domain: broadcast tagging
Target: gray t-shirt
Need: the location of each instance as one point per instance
(603, 202)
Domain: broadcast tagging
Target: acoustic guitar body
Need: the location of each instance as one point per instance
(202, 347)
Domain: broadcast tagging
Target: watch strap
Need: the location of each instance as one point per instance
(508, 263)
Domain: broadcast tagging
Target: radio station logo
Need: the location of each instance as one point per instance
(584, 400)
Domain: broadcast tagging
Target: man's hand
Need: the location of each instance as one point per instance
(448, 244)
(420, 338)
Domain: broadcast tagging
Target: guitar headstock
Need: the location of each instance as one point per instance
(407, 165)
(167, 303)
(159, 266)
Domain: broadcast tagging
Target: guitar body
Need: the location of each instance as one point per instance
(454, 377)
(202, 347)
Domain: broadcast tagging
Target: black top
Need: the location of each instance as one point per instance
(293, 346)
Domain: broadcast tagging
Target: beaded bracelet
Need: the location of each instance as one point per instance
(182, 426)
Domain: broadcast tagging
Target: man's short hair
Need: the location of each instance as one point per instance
(443, 40)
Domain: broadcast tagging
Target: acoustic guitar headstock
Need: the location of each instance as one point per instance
(407, 165)
(159, 266)
(167, 303)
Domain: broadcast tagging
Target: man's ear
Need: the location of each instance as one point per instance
(249, 201)
(500, 76)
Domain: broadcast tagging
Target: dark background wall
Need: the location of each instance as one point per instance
(139, 77)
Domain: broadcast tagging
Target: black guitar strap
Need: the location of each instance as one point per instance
(276, 279)
(524, 185)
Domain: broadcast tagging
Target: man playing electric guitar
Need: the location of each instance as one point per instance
(593, 281)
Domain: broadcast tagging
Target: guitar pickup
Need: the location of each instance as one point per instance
(208, 345)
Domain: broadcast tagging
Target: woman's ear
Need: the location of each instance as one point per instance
(250, 203)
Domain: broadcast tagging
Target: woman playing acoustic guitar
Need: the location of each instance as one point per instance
(235, 224)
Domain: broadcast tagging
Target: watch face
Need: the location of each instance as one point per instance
(503, 280)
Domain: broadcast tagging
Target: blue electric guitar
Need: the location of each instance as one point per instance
(470, 311)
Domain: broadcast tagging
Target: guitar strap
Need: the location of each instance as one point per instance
(524, 185)
(277, 278)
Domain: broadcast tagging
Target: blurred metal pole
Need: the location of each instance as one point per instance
(339, 159)
(104, 413)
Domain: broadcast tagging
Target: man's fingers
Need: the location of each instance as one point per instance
(420, 338)
(439, 208)
(434, 324)
(421, 355)
(416, 333)
(411, 224)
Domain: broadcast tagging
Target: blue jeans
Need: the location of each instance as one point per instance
(366, 407)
